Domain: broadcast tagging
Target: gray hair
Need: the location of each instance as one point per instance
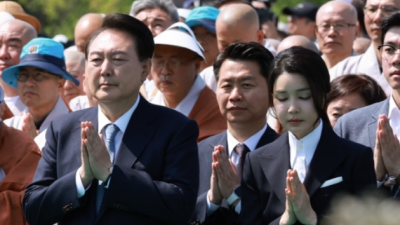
(165, 5)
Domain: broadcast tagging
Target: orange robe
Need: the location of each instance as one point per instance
(7, 113)
(19, 157)
(207, 115)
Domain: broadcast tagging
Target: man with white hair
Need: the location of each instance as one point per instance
(175, 67)
(336, 31)
(370, 62)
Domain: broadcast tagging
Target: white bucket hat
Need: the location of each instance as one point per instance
(180, 35)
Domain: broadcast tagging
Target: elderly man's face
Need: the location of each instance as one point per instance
(174, 69)
(336, 31)
(113, 71)
(208, 41)
(375, 12)
(70, 90)
(11, 42)
(155, 19)
(37, 88)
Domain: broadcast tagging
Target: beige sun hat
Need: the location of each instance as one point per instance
(18, 12)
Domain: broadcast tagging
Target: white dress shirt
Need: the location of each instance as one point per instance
(103, 121)
(15, 105)
(251, 143)
(394, 117)
(187, 103)
(304, 147)
(79, 102)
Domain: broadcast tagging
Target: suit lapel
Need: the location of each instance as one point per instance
(221, 140)
(373, 121)
(139, 131)
(275, 162)
(322, 165)
(269, 136)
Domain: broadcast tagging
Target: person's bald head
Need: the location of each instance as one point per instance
(75, 63)
(238, 23)
(14, 34)
(86, 26)
(336, 42)
(297, 40)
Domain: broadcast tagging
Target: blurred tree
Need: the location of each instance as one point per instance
(280, 4)
(60, 16)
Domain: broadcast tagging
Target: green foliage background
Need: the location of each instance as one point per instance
(60, 16)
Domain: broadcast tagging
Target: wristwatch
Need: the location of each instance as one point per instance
(236, 193)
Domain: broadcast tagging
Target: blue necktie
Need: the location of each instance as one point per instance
(111, 132)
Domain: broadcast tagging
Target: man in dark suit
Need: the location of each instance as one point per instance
(242, 96)
(145, 171)
(375, 125)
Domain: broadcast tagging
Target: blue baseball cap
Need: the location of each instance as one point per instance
(43, 53)
(203, 16)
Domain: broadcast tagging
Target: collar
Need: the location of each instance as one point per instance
(187, 103)
(121, 122)
(59, 110)
(308, 143)
(251, 142)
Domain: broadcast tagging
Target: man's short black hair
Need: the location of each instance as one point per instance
(251, 51)
(391, 21)
(135, 28)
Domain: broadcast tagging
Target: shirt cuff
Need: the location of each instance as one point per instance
(211, 207)
(80, 189)
(238, 207)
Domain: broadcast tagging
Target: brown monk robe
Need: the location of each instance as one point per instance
(207, 115)
(7, 113)
(19, 156)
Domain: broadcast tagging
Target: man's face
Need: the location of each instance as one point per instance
(208, 41)
(239, 33)
(336, 40)
(391, 62)
(38, 88)
(113, 71)
(174, 69)
(242, 92)
(299, 25)
(155, 19)
(70, 90)
(11, 42)
(375, 12)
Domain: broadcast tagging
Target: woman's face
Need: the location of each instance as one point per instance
(344, 104)
(294, 104)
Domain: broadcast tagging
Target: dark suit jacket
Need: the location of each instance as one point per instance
(206, 149)
(154, 180)
(264, 176)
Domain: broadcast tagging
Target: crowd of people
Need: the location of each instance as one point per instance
(207, 114)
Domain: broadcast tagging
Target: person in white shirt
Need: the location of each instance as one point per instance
(336, 31)
(370, 62)
(14, 34)
(293, 179)
(378, 125)
(237, 22)
(75, 64)
(39, 77)
(175, 67)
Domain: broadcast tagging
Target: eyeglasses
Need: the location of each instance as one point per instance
(388, 51)
(386, 10)
(23, 76)
(339, 27)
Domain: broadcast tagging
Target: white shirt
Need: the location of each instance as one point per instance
(394, 117)
(251, 143)
(269, 46)
(103, 121)
(209, 77)
(149, 86)
(187, 103)
(15, 105)
(79, 102)
(305, 146)
(366, 63)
